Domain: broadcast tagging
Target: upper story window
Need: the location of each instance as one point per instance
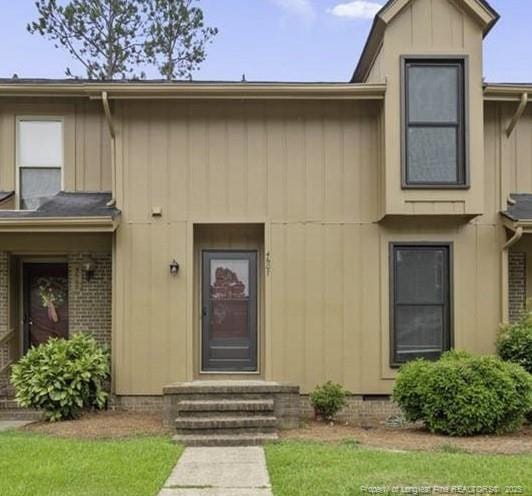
(434, 123)
(39, 159)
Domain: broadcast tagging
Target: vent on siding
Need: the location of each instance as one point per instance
(375, 397)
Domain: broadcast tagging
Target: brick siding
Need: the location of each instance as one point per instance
(289, 408)
(516, 284)
(359, 411)
(4, 310)
(142, 404)
(90, 308)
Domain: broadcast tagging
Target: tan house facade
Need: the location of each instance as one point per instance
(276, 232)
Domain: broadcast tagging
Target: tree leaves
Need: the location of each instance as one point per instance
(176, 37)
(114, 38)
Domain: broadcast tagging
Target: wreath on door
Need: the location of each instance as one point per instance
(52, 293)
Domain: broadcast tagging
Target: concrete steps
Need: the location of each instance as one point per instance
(225, 413)
(226, 425)
(236, 407)
(225, 422)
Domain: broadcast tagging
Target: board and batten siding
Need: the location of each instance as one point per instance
(431, 28)
(87, 145)
(311, 173)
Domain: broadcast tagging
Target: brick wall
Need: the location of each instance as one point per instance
(289, 408)
(4, 310)
(359, 410)
(90, 300)
(516, 283)
(142, 404)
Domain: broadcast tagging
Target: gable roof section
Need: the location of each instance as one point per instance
(480, 9)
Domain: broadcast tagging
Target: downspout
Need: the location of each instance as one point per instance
(518, 113)
(110, 125)
(518, 233)
(112, 203)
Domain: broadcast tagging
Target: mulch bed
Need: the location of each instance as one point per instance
(103, 425)
(121, 424)
(413, 438)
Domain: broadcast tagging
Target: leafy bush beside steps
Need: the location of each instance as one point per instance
(62, 377)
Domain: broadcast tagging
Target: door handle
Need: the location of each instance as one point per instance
(204, 311)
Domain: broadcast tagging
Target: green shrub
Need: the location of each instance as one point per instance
(463, 395)
(514, 343)
(62, 377)
(328, 399)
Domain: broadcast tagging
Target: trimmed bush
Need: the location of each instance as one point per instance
(514, 343)
(328, 399)
(62, 377)
(464, 395)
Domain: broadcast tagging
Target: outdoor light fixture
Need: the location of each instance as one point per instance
(87, 267)
(174, 267)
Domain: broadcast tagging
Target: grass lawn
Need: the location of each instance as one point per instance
(37, 465)
(309, 468)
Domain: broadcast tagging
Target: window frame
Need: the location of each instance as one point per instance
(18, 165)
(448, 337)
(463, 170)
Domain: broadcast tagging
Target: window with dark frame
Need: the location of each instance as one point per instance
(434, 123)
(420, 301)
(39, 159)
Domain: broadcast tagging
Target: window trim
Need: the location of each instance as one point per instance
(18, 166)
(449, 335)
(464, 90)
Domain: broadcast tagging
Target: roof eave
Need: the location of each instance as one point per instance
(244, 91)
(370, 51)
(59, 224)
(506, 92)
(513, 224)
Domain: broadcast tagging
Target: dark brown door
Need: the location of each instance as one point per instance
(229, 311)
(45, 302)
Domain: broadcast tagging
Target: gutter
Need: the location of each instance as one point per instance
(187, 91)
(59, 224)
(506, 92)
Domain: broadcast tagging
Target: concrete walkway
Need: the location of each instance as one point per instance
(219, 472)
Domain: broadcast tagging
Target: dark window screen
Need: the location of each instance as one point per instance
(420, 312)
(434, 123)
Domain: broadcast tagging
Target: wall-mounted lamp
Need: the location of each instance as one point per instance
(174, 267)
(88, 267)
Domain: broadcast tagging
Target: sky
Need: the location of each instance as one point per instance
(277, 40)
